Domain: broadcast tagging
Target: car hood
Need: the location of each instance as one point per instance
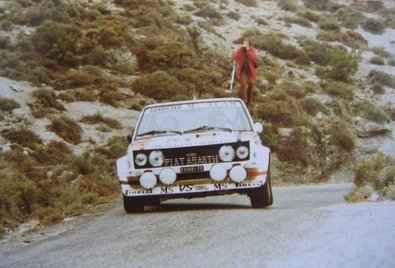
(190, 140)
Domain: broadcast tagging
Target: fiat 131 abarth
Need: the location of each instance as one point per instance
(191, 149)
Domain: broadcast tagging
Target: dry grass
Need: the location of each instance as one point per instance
(8, 104)
(66, 128)
(22, 136)
(98, 118)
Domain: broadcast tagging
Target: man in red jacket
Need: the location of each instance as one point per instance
(246, 71)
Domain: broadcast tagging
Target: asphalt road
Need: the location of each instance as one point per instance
(308, 226)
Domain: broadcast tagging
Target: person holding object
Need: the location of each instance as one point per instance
(246, 70)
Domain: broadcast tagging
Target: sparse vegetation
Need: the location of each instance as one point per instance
(66, 128)
(338, 89)
(8, 104)
(377, 60)
(374, 26)
(382, 78)
(371, 112)
(249, 3)
(288, 5)
(98, 118)
(22, 136)
(376, 174)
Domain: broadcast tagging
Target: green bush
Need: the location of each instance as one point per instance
(377, 60)
(299, 20)
(343, 64)
(288, 5)
(8, 104)
(342, 137)
(161, 86)
(367, 172)
(208, 11)
(371, 112)
(339, 89)
(329, 25)
(374, 26)
(391, 61)
(67, 129)
(350, 18)
(233, 15)
(311, 16)
(280, 109)
(322, 5)
(56, 41)
(293, 149)
(248, 3)
(380, 51)
(382, 78)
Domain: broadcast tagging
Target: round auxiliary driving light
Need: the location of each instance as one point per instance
(156, 158)
(140, 159)
(218, 172)
(238, 174)
(226, 153)
(167, 176)
(242, 152)
(148, 180)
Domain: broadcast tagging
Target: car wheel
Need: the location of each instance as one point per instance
(133, 204)
(262, 197)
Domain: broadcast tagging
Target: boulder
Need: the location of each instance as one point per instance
(367, 129)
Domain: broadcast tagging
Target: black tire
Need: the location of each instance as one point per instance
(133, 204)
(262, 197)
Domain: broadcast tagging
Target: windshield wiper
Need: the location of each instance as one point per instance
(153, 132)
(205, 128)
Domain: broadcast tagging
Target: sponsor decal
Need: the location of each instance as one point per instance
(128, 192)
(192, 169)
(248, 184)
(166, 190)
(220, 186)
(202, 188)
(191, 159)
(186, 188)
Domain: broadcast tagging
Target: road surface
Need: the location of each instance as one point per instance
(308, 226)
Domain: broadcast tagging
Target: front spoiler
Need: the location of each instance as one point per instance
(194, 189)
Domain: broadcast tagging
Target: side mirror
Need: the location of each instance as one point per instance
(129, 137)
(258, 127)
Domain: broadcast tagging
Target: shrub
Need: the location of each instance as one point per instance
(47, 98)
(248, 3)
(391, 61)
(350, 17)
(371, 112)
(8, 104)
(322, 5)
(280, 109)
(377, 89)
(77, 78)
(380, 51)
(329, 25)
(98, 118)
(22, 136)
(299, 20)
(293, 149)
(341, 137)
(56, 41)
(271, 76)
(67, 129)
(288, 5)
(311, 16)
(114, 149)
(374, 26)
(367, 172)
(159, 85)
(377, 60)
(312, 106)
(208, 11)
(382, 78)
(52, 153)
(343, 65)
(233, 15)
(338, 89)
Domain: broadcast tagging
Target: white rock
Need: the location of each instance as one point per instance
(374, 197)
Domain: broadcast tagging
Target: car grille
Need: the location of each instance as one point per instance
(191, 156)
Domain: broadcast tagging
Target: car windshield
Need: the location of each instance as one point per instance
(176, 119)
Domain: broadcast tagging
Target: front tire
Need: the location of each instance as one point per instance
(262, 197)
(133, 204)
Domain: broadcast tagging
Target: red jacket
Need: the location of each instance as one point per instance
(252, 57)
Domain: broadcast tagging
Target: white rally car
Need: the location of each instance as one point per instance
(192, 149)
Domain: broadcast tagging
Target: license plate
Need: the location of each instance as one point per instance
(192, 169)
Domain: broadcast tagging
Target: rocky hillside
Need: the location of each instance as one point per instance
(75, 74)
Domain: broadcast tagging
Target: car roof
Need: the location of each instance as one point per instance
(193, 101)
